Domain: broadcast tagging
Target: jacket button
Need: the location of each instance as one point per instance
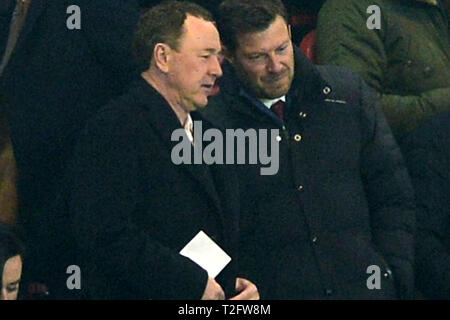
(278, 138)
(329, 292)
(283, 128)
(300, 188)
(409, 63)
(387, 274)
(428, 71)
(314, 240)
(326, 90)
(302, 114)
(297, 137)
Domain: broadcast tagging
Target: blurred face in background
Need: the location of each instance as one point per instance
(264, 61)
(12, 271)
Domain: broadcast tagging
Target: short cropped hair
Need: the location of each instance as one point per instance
(163, 23)
(10, 245)
(237, 17)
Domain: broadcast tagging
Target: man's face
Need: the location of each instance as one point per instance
(264, 61)
(195, 66)
(12, 272)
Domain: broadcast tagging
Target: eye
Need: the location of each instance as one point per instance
(255, 57)
(205, 57)
(12, 288)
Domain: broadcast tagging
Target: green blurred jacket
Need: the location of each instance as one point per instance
(407, 60)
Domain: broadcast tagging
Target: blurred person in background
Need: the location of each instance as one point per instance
(8, 170)
(427, 154)
(11, 258)
(406, 58)
(61, 63)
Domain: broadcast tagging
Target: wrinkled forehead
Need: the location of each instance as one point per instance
(267, 40)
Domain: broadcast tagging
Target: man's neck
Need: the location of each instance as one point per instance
(159, 85)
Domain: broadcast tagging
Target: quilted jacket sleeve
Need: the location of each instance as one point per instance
(389, 193)
(426, 153)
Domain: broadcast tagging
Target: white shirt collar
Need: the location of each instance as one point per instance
(189, 128)
(269, 102)
(188, 124)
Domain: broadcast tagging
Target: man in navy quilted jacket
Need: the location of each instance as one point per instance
(336, 220)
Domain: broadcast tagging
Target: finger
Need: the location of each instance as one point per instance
(244, 295)
(249, 291)
(221, 295)
(241, 283)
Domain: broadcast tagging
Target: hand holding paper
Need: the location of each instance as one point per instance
(207, 254)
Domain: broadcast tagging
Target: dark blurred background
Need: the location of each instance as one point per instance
(302, 13)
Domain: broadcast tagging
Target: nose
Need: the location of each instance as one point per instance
(274, 64)
(215, 68)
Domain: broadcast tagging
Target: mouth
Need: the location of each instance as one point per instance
(208, 87)
(276, 78)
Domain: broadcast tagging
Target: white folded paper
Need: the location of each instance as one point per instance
(206, 253)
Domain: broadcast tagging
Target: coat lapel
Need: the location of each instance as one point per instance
(165, 122)
(228, 185)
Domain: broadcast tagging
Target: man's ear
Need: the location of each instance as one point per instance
(161, 56)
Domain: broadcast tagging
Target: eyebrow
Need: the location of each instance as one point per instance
(212, 50)
(264, 52)
(284, 43)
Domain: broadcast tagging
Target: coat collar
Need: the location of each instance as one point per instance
(162, 118)
(308, 84)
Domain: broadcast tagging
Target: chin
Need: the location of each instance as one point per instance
(275, 94)
(201, 104)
